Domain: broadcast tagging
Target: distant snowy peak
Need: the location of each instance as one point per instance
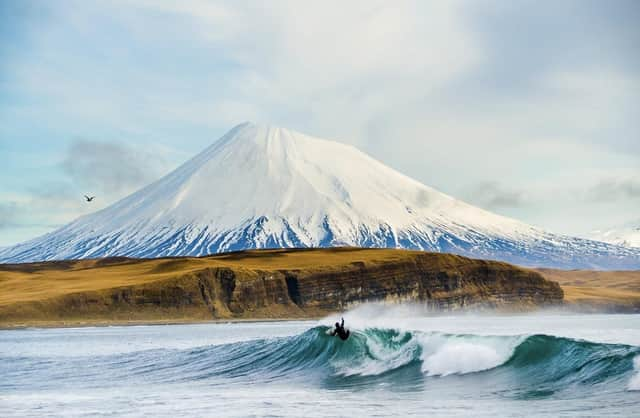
(627, 235)
(262, 186)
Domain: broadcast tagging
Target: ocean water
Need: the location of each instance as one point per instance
(396, 363)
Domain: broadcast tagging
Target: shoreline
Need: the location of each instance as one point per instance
(567, 309)
(142, 322)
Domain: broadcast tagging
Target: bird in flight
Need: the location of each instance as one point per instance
(89, 199)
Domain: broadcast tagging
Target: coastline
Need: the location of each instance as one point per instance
(568, 308)
(260, 285)
(142, 322)
(290, 285)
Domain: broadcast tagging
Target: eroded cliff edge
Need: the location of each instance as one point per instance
(261, 284)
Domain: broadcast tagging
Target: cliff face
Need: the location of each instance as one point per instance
(460, 283)
(263, 285)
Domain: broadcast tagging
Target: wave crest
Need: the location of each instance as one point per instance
(374, 356)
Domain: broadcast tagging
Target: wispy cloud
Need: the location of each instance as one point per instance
(494, 195)
(8, 214)
(615, 189)
(110, 167)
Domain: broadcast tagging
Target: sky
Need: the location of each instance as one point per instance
(530, 109)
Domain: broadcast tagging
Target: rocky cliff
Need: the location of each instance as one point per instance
(261, 284)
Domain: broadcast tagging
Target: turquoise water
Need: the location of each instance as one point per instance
(395, 364)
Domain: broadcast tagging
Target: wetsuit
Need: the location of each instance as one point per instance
(340, 331)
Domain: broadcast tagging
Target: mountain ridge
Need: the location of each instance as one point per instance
(261, 186)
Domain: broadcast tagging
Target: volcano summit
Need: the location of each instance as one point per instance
(267, 187)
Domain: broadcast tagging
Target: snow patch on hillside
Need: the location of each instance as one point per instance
(627, 235)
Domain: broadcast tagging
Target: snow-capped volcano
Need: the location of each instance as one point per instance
(263, 186)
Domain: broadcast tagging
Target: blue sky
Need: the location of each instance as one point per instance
(528, 109)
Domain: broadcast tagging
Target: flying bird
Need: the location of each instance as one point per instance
(89, 199)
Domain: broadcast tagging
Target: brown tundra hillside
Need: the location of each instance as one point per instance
(259, 284)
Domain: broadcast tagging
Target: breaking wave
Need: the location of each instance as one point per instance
(524, 365)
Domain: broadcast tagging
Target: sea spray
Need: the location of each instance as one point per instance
(459, 354)
(634, 383)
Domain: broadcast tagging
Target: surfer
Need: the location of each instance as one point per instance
(340, 331)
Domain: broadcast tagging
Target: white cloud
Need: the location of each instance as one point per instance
(443, 91)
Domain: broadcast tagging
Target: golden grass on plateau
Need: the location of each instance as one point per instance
(39, 281)
(21, 284)
(81, 292)
(597, 287)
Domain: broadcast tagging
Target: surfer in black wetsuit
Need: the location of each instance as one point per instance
(340, 331)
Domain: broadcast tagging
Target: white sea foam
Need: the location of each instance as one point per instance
(634, 383)
(444, 355)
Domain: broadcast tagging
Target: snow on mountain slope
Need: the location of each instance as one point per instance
(627, 235)
(264, 187)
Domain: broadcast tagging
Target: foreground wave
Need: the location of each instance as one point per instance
(520, 366)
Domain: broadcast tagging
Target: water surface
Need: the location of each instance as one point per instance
(396, 363)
